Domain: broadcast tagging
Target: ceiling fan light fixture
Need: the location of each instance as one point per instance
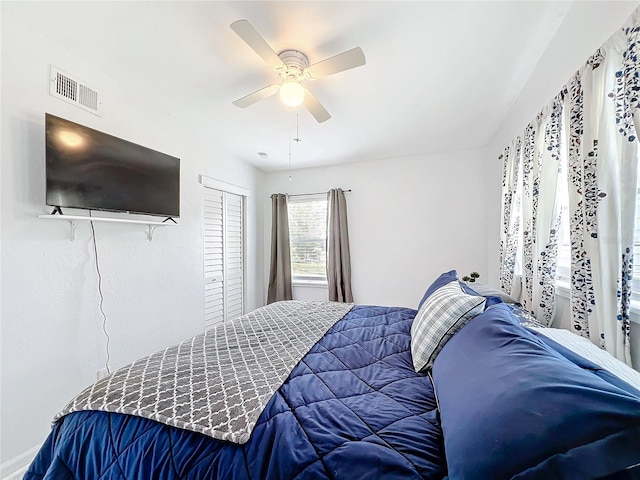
(293, 67)
(291, 92)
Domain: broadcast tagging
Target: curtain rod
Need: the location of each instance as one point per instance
(317, 193)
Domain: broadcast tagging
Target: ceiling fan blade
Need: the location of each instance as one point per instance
(316, 109)
(252, 38)
(257, 96)
(338, 63)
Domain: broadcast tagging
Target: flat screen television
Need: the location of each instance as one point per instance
(92, 170)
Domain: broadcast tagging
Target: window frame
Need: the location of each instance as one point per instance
(309, 280)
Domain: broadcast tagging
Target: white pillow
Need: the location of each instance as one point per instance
(587, 350)
(486, 290)
(440, 317)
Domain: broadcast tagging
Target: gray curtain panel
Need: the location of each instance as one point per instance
(338, 256)
(280, 271)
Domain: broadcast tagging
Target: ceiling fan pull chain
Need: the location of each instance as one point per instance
(289, 138)
(297, 139)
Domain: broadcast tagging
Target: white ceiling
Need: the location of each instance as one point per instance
(440, 75)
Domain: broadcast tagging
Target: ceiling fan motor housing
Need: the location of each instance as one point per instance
(295, 64)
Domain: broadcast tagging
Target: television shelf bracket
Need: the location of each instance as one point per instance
(152, 228)
(73, 223)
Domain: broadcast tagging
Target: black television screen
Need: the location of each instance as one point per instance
(92, 170)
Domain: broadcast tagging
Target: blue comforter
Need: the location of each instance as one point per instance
(511, 405)
(352, 408)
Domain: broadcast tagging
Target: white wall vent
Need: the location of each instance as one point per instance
(74, 91)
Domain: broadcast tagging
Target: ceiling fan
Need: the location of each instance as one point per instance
(293, 67)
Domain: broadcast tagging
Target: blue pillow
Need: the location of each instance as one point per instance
(450, 276)
(443, 279)
(511, 406)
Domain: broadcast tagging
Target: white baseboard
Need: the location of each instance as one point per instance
(15, 468)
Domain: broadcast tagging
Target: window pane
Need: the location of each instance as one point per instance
(308, 237)
(563, 268)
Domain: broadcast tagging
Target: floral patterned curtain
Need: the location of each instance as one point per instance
(510, 214)
(541, 212)
(603, 162)
(594, 121)
(531, 214)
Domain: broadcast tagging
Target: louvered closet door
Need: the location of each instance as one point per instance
(223, 256)
(212, 209)
(233, 256)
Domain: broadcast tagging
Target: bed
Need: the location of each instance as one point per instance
(495, 399)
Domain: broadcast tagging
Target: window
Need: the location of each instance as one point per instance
(308, 238)
(223, 229)
(563, 271)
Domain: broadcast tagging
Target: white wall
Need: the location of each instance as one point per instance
(585, 28)
(52, 341)
(410, 219)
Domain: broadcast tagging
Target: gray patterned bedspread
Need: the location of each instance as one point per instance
(216, 383)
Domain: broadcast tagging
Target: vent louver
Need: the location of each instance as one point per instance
(72, 90)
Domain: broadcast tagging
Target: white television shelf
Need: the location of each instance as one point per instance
(72, 219)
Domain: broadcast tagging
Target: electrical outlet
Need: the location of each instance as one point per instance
(103, 372)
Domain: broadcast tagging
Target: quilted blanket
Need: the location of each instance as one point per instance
(216, 383)
(353, 408)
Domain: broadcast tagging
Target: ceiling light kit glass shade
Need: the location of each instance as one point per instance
(291, 92)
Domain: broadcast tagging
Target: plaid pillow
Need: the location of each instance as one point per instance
(440, 317)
